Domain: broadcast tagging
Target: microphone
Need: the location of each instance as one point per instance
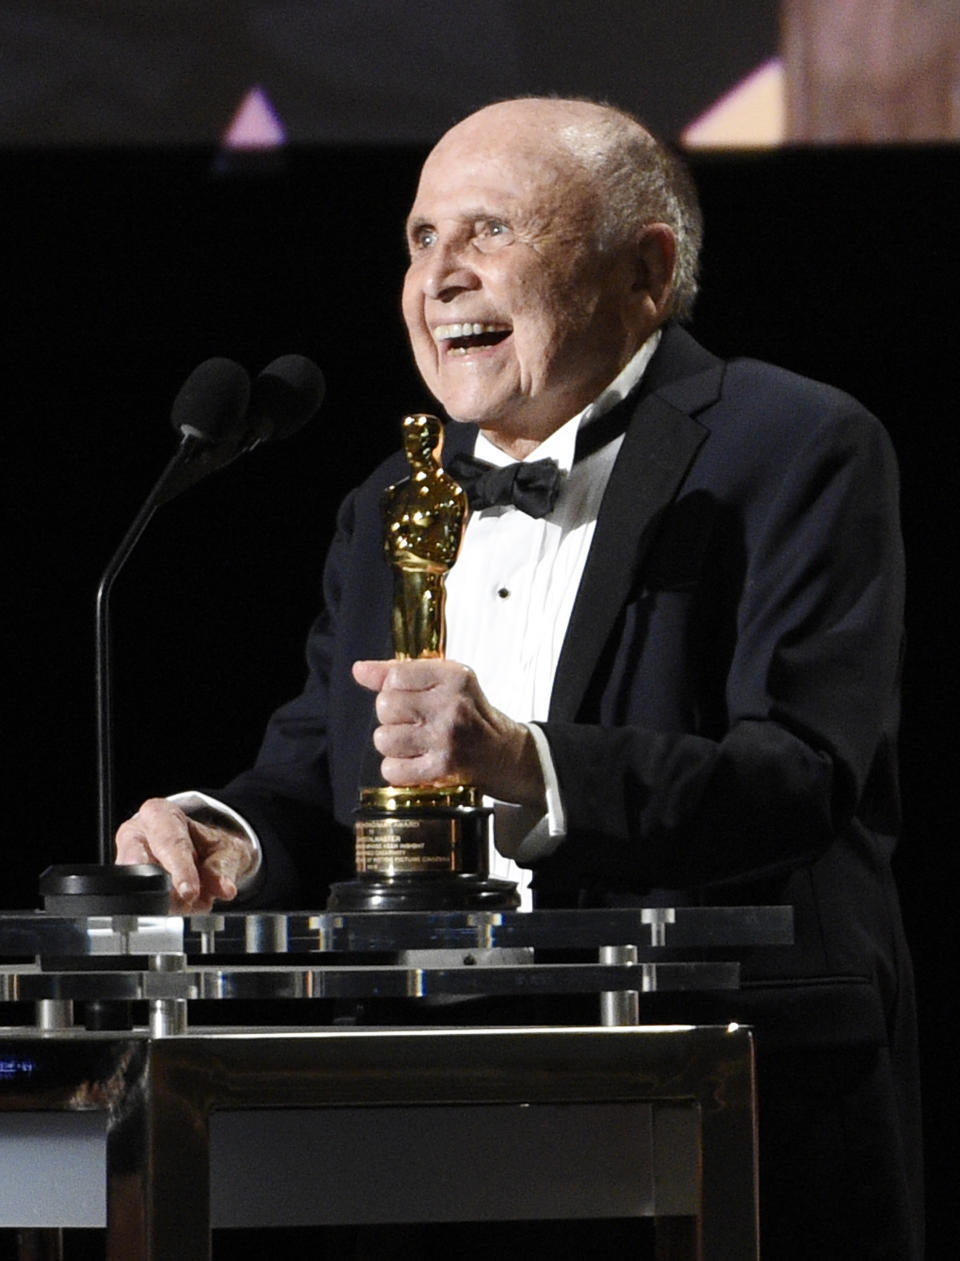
(286, 394)
(219, 419)
(209, 413)
(212, 403)
(218, 416)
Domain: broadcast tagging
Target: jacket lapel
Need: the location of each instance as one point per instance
(660, 444)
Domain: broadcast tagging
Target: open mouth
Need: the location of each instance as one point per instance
(462, 338)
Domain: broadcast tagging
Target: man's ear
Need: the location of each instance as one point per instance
(656, 258)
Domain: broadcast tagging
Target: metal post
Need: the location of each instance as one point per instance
(168, 1016)
(620, 1007)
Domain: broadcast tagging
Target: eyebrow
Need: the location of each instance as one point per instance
(467, 216)
(413, 224)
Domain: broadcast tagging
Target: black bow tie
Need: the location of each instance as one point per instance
(532, 487)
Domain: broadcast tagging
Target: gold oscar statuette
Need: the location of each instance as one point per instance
(422, 847)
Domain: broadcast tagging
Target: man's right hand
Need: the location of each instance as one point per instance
(205, 860)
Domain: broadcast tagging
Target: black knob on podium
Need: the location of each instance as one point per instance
(97, 889)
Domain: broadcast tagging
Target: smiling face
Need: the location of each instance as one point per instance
(516, 315)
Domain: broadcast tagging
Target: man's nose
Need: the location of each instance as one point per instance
(448, 273)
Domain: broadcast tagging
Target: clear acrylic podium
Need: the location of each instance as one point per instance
(147, 1130)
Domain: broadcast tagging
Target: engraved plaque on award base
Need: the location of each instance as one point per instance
(422, 848)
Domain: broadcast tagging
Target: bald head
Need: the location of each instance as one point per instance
(572, 129)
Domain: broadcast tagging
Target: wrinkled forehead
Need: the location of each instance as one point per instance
(481, 161)
(505, 136)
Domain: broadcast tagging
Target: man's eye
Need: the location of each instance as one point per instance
(423, 239)
(491, 234)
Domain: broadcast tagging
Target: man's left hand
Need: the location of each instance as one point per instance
(437, 727)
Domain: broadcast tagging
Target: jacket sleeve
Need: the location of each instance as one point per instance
(287, 796)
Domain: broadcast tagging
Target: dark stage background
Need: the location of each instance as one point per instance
(122, 269)
(94, 72)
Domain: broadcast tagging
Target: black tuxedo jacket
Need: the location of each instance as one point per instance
(724, 714)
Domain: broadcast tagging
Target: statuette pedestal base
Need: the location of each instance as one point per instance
(422, 849)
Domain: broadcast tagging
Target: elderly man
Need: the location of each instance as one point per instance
(682, 681)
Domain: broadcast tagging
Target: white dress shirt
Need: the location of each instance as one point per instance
(509, 599)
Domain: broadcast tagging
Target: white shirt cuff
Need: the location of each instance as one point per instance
(556, 816)
(193, 802)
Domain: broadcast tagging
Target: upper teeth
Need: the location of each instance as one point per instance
(444, 332)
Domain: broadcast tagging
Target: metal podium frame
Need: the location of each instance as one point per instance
(695, 1142)
(682, 1098)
